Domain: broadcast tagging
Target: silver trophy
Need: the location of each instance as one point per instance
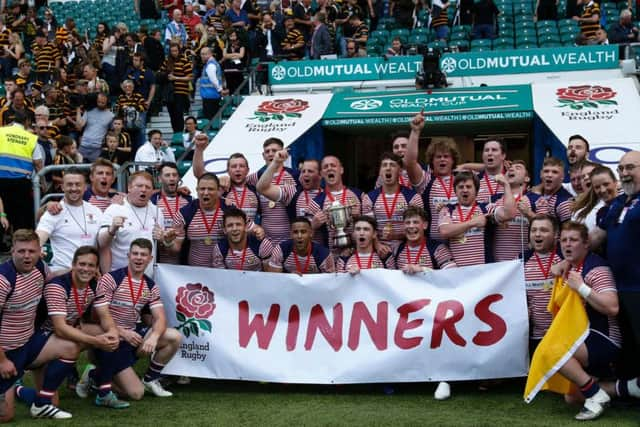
(339, 218)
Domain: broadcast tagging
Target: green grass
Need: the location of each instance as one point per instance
(206, 403)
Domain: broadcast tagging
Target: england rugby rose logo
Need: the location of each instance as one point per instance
(586, 96)
(194, 305)
(280, 109)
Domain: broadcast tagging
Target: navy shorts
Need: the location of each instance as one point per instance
(125, 355)
(23, 357)
(603, 353)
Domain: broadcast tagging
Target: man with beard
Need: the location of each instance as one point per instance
(538, 276)
(303, 195)
(388, 203)
(136, 218)
(621, 227)
(301, 255)
(436, 186)
(275, 220)
(464, 222)
(364, 255)
(331, 171)
(170, 200)
(200, 223)
(590, 276)
(240, 251)
(512, 213)
(554, 199)
(76, 225)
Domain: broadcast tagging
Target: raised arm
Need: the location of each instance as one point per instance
(414, 170)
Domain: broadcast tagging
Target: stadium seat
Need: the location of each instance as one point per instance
(524, 25)
(503, 43)
(177, 139)
(526, 40)
(438, 44)
(542, 31)
(459, 35)
(183, 167)
(527, 46)
(486, 43)
(420, 30)
(417, 39)
(548, 38)
(544, 43)
(387, 23)
(380, 34)
(546, 24)
(460, 28)
(202, 123)
(403, 33)
(462, 45)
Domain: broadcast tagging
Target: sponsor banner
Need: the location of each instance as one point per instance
(379, 326)
(444, 105)
(542, 60)
(605, 112)
(256, 119)
(344, 70)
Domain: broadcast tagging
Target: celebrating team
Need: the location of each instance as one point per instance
(277, 219)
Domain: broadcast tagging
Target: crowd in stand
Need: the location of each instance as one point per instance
(278, 219)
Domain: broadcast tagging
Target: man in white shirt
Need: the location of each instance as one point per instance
(76, 225)
(136, 218)
(155, 150)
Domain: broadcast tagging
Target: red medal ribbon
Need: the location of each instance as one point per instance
(369, 263)
(489, 186)
(215, 217)
(343, 198)
(239, 204)
(469, 215)
(450, 192)
(279, 178)
(79, 308)
(137, 298)
(306, 264)
(166, 204)
(549, 263)
(417, 261)
(243, 256)
(388, 211)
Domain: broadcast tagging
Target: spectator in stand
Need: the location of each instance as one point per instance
(170, 6)
(190, 21)
(49, 24)
(154, 51)
(624, 31)
(292, 45)
(95, 123)
(112, 45)
(178, 71)
(546, 10)
(211, 87)
(14, 52)
(156, 150)
(440, 19)
(268, 38)
(403, 11)
(190, 132)
(110, 150)
(320, 43)
(24, 77)
(147, 9)
(175, 32)
(18, 107)
(144, 81)
(124, 139)
(66, 154)
(234, 62)
(353, 51)
(132, 107)
(396, 48)
(214, 16)
(589, 20)
(62, 34)
(485, 13)
(5, 62)
(302, 18)
(47, 57)
(238, 16)
(361, 35)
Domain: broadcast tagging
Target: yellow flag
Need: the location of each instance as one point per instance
(569, 329)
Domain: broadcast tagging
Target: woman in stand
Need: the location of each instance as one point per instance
(234, 62)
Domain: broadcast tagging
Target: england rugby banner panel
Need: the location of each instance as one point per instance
(604, 111)
(379, 326)
(256, 119)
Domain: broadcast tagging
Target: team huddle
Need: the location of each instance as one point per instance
(97, 293)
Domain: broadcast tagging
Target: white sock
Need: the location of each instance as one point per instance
(634, 389)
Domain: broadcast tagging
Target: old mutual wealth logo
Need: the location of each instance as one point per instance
(278, 72)
(366, 104)
(448, 65)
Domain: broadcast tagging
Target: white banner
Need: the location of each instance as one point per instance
(603, 111)
(256, 119)
(379, 326)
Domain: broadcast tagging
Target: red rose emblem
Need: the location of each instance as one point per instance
(280, 106)
(585, 93)
(195, 300)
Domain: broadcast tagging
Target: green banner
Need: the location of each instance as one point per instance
(541, 60)
(343, 70)
(444, 105)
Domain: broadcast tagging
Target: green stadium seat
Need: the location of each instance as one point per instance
(403, 33)
(458, 35)
(546, 24)
(460, 28)
(462, 45)
(550, 44)
(527, 46)
(522, 40)
(438, 44)
(183, 167)
(178, 150)
(542, 31)
(503, 43)
(380, 34)
(548, 38)
(480, 48)
(418, 39)
(524, 24)
(388, 23)
(202, 123)
(177, 139)
(420, 30)
(481, 43)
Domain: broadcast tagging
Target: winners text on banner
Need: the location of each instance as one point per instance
(379, 326)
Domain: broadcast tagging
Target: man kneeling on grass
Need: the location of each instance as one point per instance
(126, 292)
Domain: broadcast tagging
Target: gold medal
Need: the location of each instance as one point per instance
(208, 240)
(272, 204)
(462, 239)
(388, 228)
